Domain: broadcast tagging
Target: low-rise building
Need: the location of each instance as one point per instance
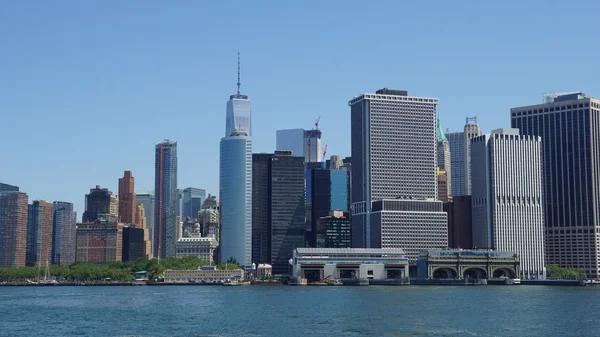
(462, 264)
(195, 245)
(316, 264)
(205, 273)
(264, 270)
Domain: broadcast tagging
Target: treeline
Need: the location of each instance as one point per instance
(108, 272)
(560, 273)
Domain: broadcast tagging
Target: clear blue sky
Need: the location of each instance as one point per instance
(88, 87)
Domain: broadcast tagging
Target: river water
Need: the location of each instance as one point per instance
(300, 311)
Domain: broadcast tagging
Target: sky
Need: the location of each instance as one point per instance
(87, 88)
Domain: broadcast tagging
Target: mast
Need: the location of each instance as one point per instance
(238, 82)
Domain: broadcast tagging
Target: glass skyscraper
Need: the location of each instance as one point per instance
(192, 202)
(329, 192)
(64, 233)
(165, 189)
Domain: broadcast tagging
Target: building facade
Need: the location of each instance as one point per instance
(472, 130)
(508, 211)
(330, 191)
(100, 241)
(460, 224)
(134, 243)
(569, 127)
(334, 230)
(290, 140)
(98, 203)
(197, 246)
(193, 198)
(442, 185)
(467, 264)
(39, 233)
(64, 231)
(165, 194)
(203, 274)
(456, 142)
(286, 209)
(13, 228)
(146, 198)
(394, 138)
(127, 198)
(444, 160)
(260, 205)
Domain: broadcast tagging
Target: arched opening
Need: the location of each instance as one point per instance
(444, 273)
(475, 273)
(503, 273)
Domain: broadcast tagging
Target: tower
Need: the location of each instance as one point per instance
(165, 189)
(127, 199)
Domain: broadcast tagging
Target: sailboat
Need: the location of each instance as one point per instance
(47, 275)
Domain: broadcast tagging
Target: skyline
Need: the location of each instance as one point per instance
(138, 67)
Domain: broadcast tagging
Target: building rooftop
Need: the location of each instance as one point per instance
(466, 252)
(346, 251)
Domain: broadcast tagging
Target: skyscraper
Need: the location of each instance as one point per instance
(192, 201)
(472, 130)
(394, 156)
(286, 208)
(165, 189)
(100, 202)
(460, 167)
(8, 188)
(569, 125)
(329, 192)
(39, 233)
(64, 223)
(508, 213)
(235, 181)
(302, 143)
(444, 160)
(260, 207)
(127, 200)
(146, 198)
(13, 228)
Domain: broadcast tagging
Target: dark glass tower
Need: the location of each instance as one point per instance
(260, 207)
(329, 192)
(165, 190)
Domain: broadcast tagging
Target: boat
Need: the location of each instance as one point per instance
(335, 282)
(231, 283)
(517, 281)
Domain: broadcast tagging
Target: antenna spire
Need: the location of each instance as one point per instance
(238, 82)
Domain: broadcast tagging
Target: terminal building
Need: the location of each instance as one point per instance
(205, 273)
(317, 264)
(472, 264)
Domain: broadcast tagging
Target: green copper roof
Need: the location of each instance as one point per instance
(440, 134)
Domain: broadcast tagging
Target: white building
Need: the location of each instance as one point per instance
(394, 140)
(200, 247)
(460, 144)
(508, 212)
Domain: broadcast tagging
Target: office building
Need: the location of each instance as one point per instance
(329, 191)
(460, 231)
(100, 202)
(394, 156)
(13, 228)
(165, 194)
(100, 241)
(333, 230)
(8, 188)
(335, 162)
(235, 182)
(64, 230)
(302, 143)
(133, 244)
(508, 212)
(201, 247)
(471, 131)
(444, 161)
(146, 198)
(192, 201)
(141, 223)
(209, 221)
(442, 185)
(39, 233)
(286, 208)
(127, 198)
(460, 167)
(260, 207)
(568, 126)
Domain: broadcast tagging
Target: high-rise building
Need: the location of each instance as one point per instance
(127, 198)
(335, 162)
(146, 198)
(444, 161)
(508, 213)
(456, 142)
(394, 156)
(334, 230)
(302, 143)
(329, 191)
(260, 207)
(13, 228)
(442, 185)
(100, 202)
(8, 188)
(134, 243)
(211, 202)
(141, 223)
(472, 130)
(100, 241)
(192, 201)
(286, 208)
(460, 231)
(165, 194)
(64, 223)
(39, 233)
(179, 204)
(569, 127)
(235, 181)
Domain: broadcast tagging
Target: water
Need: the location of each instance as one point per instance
(300, 311)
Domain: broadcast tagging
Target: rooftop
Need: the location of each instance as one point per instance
(357, 251)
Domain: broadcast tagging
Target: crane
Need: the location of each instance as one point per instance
(324, 152)
(310, 134)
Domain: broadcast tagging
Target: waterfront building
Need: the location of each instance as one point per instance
(100, 202)
(203, 274)
(13, 227)
(329, 191)
(165, 194)
(444, 161)
(508, 213)
(460, 154)
(100, 241)
(568, 125)
(334, 230)
(394, 156)
(134, 243)
(316, 264)
(235, 182)
(192, 201)
(197, 246)
(146, 198)
(286, 209)
(264, 270)
(442, 185)
(64, 230)
(460, 231)
(39, 233)
(127, 198)
(471, 264)
(260, 206)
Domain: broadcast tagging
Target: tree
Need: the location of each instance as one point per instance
(563, 273)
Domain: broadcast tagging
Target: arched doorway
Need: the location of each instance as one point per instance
(503, 273)
(475, 273)
(444, 273)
